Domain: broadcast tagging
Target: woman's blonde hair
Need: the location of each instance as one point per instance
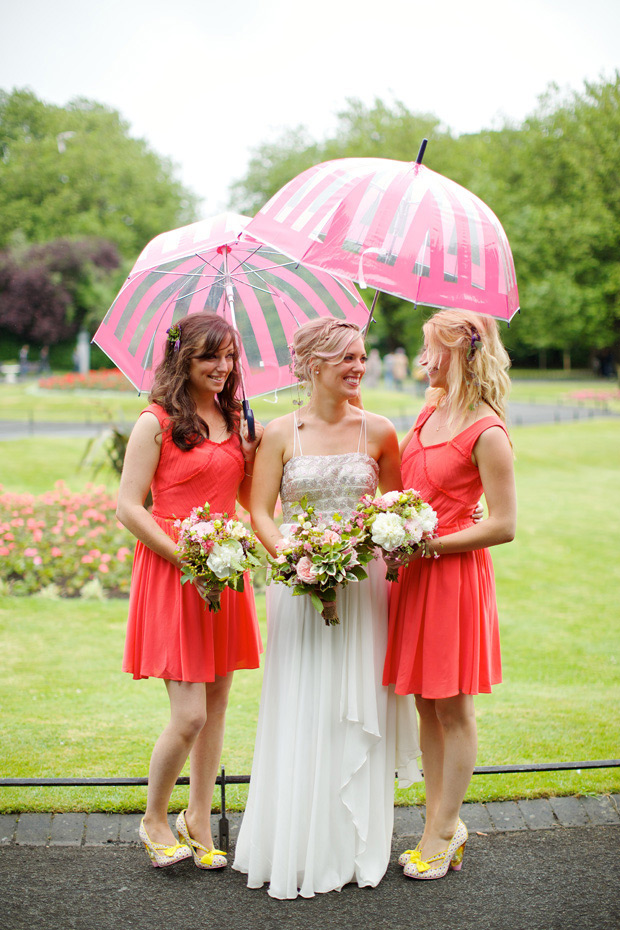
(324, 339)
(478, 367)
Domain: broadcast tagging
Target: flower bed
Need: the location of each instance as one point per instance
(599, 396)
(64, 544)
(104, 379)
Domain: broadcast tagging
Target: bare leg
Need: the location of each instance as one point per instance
(187, 718)
(204, 761)
(457, 721)
(431, 744)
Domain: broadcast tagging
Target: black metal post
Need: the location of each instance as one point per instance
(224, 837)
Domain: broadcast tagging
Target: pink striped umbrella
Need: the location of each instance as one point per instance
(214, 265)
(396, 226)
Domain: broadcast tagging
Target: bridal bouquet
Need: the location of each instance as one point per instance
(317, 556)
(399, 522)
(215, 550)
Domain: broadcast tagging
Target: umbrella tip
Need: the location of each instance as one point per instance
(418, 160)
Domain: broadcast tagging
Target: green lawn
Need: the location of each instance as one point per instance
(27, 402)
(68, 710)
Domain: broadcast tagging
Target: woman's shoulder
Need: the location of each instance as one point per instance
(157, 411)
(378, 425)
(280, 427)
(486, 417)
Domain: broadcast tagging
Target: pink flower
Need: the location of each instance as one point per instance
(56, 552)
(306, 571)
(30, 551)
(103, 568)
(4, 550)
(330, 537)
(87, 559)
(38, 560)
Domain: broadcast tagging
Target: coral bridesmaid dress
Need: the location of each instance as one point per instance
(443, 630)
(170, 633)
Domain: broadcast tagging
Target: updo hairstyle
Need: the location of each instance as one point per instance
(321, 340)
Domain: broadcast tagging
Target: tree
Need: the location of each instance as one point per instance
(48, 292)
(75, 171)
(552, 181)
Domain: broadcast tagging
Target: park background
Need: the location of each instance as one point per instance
(81, 192)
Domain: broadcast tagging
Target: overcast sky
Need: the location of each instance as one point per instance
(204, 82)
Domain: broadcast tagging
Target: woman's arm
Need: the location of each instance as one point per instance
(248, 449)
(382, 439)
(405, 442)
(493, 456)
(141, 461)
(268, 468)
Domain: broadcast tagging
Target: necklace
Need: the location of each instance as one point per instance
(443, 423)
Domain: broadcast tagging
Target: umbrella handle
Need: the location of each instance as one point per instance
(249, 419)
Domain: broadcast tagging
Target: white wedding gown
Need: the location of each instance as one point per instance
(320, 808)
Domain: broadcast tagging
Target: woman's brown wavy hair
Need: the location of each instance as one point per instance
(202, 334)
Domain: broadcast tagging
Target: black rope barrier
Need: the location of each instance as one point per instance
(223, 779)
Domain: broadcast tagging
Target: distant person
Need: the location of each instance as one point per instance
(44, 361)
(373, 368)
(400, 368)
(189, 446)
(443, 639)
(388, 375)
(23, 361)
(418, 373)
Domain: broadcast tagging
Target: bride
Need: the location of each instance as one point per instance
(320, 808)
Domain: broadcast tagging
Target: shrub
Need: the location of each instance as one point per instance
(59, 542)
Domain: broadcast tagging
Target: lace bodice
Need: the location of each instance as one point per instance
(332, 483)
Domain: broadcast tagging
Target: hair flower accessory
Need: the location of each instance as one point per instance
(174, 337)
(476, 343)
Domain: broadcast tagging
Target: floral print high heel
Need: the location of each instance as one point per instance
(437, 866)
(160, 855)
(203, 858)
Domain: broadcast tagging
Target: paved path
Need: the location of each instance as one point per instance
(529, 865)
(520, 414)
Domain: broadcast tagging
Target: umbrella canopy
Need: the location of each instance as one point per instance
(399, 227)
(214, 265)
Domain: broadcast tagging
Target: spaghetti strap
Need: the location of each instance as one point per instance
(296, 436)
(363, 432)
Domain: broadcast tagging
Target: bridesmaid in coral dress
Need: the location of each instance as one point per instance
(443, 641)
(188, 446)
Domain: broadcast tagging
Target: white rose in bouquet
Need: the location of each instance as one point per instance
(427, 518)
(226, 558)
(388, 531)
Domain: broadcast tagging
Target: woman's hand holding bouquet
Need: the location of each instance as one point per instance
(215, 552)
(400, 523)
